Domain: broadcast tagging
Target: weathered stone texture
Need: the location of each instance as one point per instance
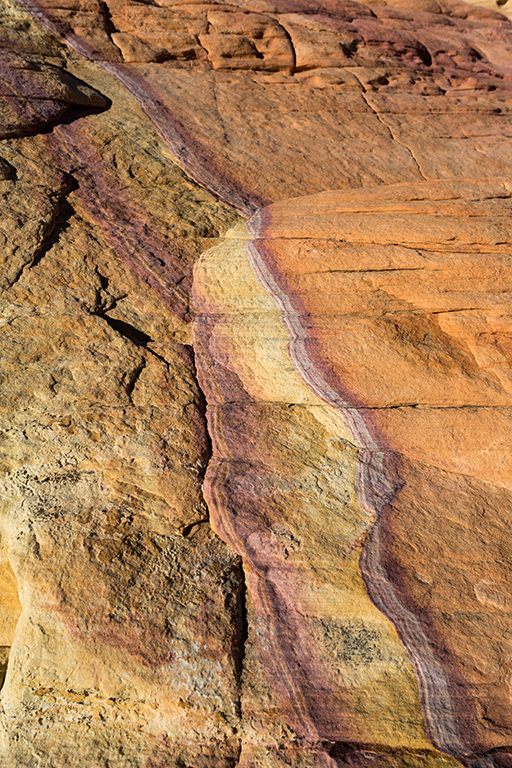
(131, 609)
(424, 408)
(278, 537)
(268, 101)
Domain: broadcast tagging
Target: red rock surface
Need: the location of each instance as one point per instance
(419, 370)
(417, 373)
(352, 345)
(268, 101)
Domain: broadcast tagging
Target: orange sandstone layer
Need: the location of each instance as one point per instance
(265, 100)
(392, 306)
(358, 394)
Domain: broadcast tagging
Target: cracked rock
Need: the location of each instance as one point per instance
(255, 388)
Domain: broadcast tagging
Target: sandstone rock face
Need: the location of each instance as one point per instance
(126, 647)
(502, 6)
(255, 408)
(393, 388)
(265, 101)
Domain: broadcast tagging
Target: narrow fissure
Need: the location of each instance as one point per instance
(393, 137)
(135, 335)
(59, 225)
(242, 629)
(53, 230)
(240, 612)
(201, 407)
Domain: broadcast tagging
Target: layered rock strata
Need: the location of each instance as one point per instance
(126, 647)
(340, 411)
(369, 452)
(243, 91)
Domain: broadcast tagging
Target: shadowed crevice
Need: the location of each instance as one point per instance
(60, 224)
(135, 335)
(10, 610)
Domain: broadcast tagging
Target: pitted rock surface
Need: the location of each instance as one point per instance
(255, 384)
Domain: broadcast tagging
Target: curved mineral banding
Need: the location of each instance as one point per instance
(421, 366)
(353, 348)
(241, 92)
(285, 487)
(377, 476)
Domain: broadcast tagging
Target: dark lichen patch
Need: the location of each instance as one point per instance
(350, 643)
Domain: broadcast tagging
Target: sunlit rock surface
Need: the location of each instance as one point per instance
(502, 6)
(255, 464)
(400, 391)
(264, 101)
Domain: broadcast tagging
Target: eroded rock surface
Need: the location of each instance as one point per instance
(264, 101)
(126, 647)
(406, 419)
(340, 410)
(502, 6)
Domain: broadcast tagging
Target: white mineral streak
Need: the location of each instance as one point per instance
(375, 489)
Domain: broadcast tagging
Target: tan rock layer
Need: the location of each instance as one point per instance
(125, 645)
(141, 660)
(434, 595)
(241, 93)
(282, 490)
